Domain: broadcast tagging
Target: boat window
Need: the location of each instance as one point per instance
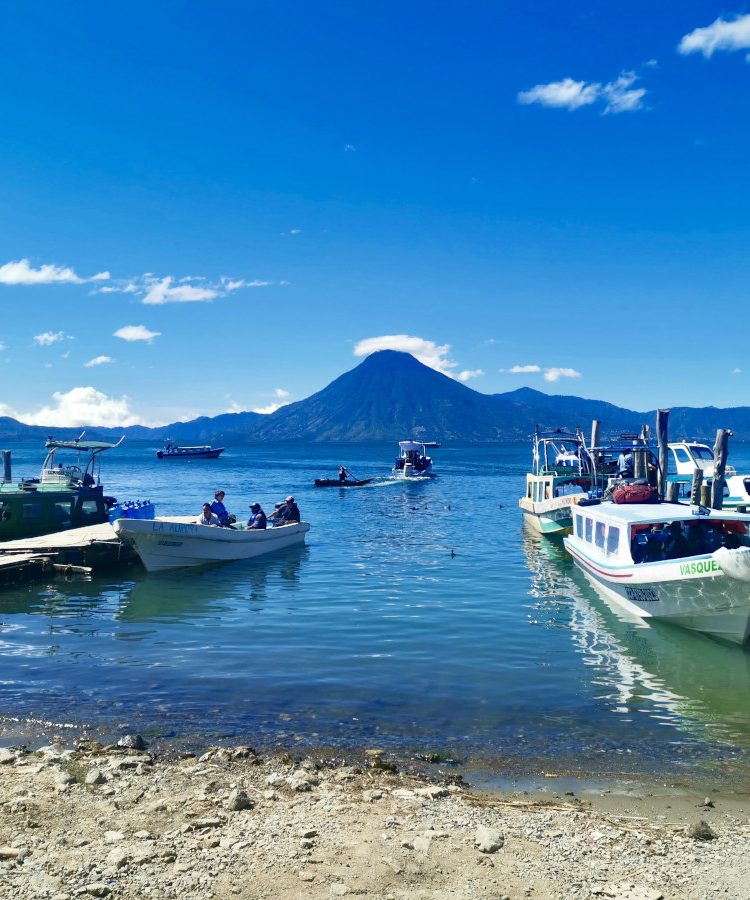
(613, 539)
(547, 490)
(588, 530)
(681, 455)
(89, 508)
(701, 452)
(32, 511)
(528, 490)
(579, 526)
(62, 511)
(599, 533)
(4, 512)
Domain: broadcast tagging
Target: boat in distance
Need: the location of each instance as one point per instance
(174, 451)
(335, 482)
(413, 461)
(177, 542)
(686, 565)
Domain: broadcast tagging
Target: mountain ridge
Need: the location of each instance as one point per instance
(391, 396)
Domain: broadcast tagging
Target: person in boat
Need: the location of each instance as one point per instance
(208, 517)
(343, 474)
(676, 545)
(625, 465)
(258, 519)
(656, 539)
(218, 509)
(286, 513)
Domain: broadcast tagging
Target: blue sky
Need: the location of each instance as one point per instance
(217, 208)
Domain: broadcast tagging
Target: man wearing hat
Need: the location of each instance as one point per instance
(287, 513)
(257, 518)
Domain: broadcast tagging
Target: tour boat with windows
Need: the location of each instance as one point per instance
(687, 456)
(173, 451)
(561, 476)
(669, 561)
(177, 542)
(65, 495)
(413, 461)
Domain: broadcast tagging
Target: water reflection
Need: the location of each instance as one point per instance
(683, 679)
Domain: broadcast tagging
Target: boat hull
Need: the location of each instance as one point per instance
(334, 482)
(694, 594)
(177, 543)
(214, 453)
(550, 517)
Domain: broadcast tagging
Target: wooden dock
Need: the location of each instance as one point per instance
(76, 550)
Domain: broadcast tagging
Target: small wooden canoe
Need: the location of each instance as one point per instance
(334, 482)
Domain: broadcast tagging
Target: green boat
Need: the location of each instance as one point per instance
(63, 496)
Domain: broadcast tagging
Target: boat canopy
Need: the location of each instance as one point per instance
(82, 446)
(416, 445)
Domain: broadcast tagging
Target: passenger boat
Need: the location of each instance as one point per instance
(562, 475)
(687, 456)
(413, 461)
(64, 496)
(173, 451)
(669, 561)
(177, 542)
(335, 482)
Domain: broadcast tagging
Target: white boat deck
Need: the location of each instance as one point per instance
(73, 537)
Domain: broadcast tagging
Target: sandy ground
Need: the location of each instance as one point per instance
(96, 821)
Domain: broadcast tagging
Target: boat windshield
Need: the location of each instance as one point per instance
(700, 451)
(658, 541)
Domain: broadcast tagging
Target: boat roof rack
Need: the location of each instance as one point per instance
(80, 445)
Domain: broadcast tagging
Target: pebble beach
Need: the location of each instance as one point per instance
(117, 821)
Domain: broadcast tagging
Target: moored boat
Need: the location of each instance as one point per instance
(179, 541)
(687, 456)
(562, 475)
(174, 451)
(685, 565)
(413, 461)
(65, 495)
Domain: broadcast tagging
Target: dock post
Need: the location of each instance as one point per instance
(706, 495)
(672, 494)
(662, 434)
(695, 490)
(6, 467)
(640, 466)
(721, 449)
(595, 427)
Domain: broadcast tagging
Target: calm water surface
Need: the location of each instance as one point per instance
(421, 617)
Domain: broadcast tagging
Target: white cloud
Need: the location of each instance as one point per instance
(98, 361)
(267, 410)
(2, 346)
(22, 272)
(161, 291)
(468, 374)
(551, 373)
(349, 148)
(736, 371)
(565, 94)
(280, 392)
(136, 333)
(49, 337)
(522, 370)
(618, 96)
(436, 356)
(555, 374)
(621, 96)
(723, 34)
(79, 406)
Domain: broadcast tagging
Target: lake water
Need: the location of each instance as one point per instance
(420, 617)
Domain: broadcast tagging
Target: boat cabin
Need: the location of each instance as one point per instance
(623, 535)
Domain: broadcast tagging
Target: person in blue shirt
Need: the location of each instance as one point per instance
(219, 510)
(258, 518)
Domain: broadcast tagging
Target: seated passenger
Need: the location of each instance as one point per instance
(258, 518)
(655, 542)
(625, 465)
(218, 508)
(208, 518)
(676, 545)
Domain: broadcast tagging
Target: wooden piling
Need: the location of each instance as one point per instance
(640, 463)
(706, 495)
(595, 428)
(721, 449)
(672, 492)
(695, 490)
(662, 434)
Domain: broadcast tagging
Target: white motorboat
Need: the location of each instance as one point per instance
(178, 541)
(413, 461)
(687, 456)
(681, 564)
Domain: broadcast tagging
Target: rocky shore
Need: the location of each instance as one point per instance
(114, 821)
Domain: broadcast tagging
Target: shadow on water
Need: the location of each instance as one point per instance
(683, 679)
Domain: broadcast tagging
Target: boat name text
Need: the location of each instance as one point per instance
(701, 567)
(174, 527)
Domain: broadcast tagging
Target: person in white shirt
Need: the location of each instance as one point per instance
(208, 517)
